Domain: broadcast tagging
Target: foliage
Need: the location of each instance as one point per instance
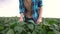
(11, 25)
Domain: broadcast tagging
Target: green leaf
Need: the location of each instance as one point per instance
(21, 23)
(18, 29)
(23, 32)
(28, 32)
(52, 21)
(51, 32)
(56, 27)
(39, 32)
(30, 26)
(12, 25)
(34, 32)
(17, 33)
(1, 28)
(10, 31)
(38, 27)
(31, 21)
(56, 32)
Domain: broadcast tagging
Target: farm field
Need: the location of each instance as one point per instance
(11, 25)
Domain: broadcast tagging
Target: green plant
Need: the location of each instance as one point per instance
(11, 25)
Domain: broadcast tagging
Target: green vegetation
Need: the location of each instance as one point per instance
(11, 25)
